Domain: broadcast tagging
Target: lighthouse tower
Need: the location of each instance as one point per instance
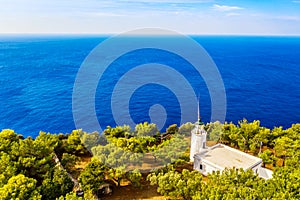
(198, 137)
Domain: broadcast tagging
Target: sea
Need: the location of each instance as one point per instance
(261, 77)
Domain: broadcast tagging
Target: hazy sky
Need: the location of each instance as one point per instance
(185, 16)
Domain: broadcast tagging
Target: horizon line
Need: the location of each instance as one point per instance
(145, 34)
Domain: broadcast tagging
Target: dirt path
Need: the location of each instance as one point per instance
(132, 193)
(128, 192)
(58, 163)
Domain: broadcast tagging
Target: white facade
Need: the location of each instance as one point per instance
(205, 167)
(265, 173)
(198, 140)
(219, 157)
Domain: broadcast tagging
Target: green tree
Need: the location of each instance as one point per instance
(172, 129)
(282, 146)
(247, 131)
(35, 158)
(285, 183)
(135, 177)
(62, 181)
(20, 187)
(214, 131)
(145, 129)
(185, 129)
(92, 139)
(68, 161)
(117, 132)
(117, 174)
(7, 168)
(7, 139)
(73, 144)
(177, 185)
(117, 160)
(56, 185)
(46, 142)
(70, 196)
(274, 134)
(170, 150)
(261, 138)
(229, 134)
(267, 157)
(92, 176)
(89, 194)
(113, 156)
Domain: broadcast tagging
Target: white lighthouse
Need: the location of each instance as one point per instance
(198, 137)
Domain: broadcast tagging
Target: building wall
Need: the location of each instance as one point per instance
(207, 168)
(197, 142)
(256, 168)
(265, 173)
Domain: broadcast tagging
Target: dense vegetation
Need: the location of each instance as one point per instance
(46, 167)
(124, 149)
(279, 149)
(29, 170)
(41, 168)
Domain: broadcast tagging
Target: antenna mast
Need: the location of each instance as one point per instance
(198, 109)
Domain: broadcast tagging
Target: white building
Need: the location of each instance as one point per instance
(220, 156)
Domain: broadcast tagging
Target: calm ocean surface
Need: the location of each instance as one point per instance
(261, 77)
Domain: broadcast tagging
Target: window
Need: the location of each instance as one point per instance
(203, 145)
(201, 167)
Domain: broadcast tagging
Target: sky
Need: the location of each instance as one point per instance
(230, 17)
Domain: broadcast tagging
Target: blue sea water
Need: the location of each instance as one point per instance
(261, 76)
